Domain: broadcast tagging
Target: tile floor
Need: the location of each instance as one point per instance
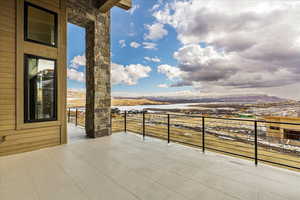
(124, 167)
(76, 133)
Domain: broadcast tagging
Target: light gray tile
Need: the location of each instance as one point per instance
(124, 167)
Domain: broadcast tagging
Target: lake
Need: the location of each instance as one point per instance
(142, 107)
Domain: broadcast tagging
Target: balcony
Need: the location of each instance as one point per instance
(124, 166)
(266, 140)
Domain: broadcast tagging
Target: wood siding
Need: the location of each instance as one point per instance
(17, 136)
(7, 65)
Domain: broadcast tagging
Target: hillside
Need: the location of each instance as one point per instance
(135, 102)
(229, 99)
(77, 99)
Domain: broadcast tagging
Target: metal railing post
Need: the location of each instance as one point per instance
(144, 134)
(255, 142)
(69, 115)
(76, 116)
(125, 121)
(168, 128)
(203, 134)
(254, 129)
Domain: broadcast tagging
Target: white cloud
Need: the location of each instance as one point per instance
(78, 61)
(75, 75)
(150, 45)
(171, 72)
(122, 43)
(129, 74)
(134, 8)
(135, 44)
(244, 44)
(162, 86)
(155, 7)
(156, 31)
(155, 59)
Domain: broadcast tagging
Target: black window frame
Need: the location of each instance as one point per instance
(275, 128)
(26, 6)
(26, 90)
(291, 134)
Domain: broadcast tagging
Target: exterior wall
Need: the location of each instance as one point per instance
(280, 133)
(7, 66)
(98, 87)
(15, 135)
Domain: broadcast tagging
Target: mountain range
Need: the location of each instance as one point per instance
(255, 98)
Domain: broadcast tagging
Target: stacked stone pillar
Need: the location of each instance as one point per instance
(98, 85)
(98, 94)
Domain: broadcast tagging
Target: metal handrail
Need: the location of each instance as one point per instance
(202, 121)
(204, 147)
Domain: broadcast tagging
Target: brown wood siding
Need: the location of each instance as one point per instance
(7, 65)
(27, 140)
(17, 140)
(51, 4)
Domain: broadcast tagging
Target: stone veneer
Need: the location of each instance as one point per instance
(98, 87)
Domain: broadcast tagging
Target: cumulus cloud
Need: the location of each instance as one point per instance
(156, 31)
(122, 43)
(75, 75)
(233, 44)
(135, 44)
(162, 86)
(150, 45)
(154, 7)
(155, 59)
(157, 5)
(171, 72)
(78, 61)
(129, 74)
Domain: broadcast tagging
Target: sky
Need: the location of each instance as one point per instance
(199, 48)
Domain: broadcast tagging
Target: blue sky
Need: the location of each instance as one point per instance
(130, 27)
(76, 46)
(199, 48)
(134, 31)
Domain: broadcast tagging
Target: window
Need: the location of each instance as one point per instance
(40, 25)
(40, 89)
(275, 128)
(291, 134)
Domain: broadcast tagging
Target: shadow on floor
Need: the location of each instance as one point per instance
(76, 134)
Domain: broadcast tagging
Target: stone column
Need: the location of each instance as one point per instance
(98, 94)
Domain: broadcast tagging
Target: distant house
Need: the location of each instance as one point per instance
(33, 72)
(283, 131)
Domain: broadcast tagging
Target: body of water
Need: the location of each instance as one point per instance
(168, 106)
(142, 107)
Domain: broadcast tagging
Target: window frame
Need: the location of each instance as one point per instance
(26, 90)
(26, 37)
(291, 134)
(276, 128)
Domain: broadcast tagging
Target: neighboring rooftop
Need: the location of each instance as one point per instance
(123, 167)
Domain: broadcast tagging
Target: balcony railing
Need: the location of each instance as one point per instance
(255, 140)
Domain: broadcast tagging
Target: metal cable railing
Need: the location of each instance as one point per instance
(251, 139)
